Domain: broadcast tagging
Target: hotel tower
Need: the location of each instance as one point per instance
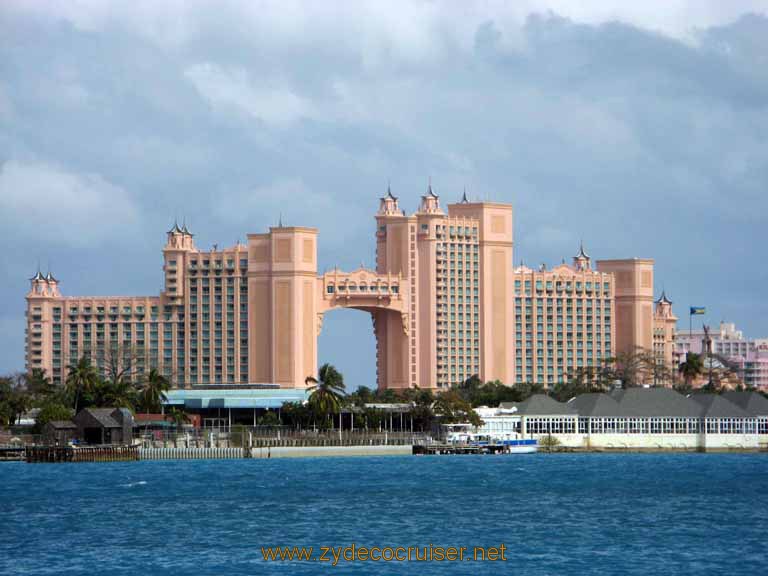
(445, 301)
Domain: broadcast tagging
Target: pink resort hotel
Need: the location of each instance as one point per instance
(445, 299)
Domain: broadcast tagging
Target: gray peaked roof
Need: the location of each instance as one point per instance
(63, 424)
(645, 403)
(654, 402)
(543, 405)
(753, 402)
(103, 416)
(594, 404)
(715, 406)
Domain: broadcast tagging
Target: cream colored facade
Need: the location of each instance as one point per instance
(444, 298)
(564, 320)
(195, 331)
(459, 307)
(633, 285)
(664, 332)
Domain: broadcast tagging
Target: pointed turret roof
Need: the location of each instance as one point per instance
(175, 229)
(431, 192)
(663, 298)
(581, 253)
(389, 194)
(184, 228)
(464, 197)
(39, 276)
(50, 277)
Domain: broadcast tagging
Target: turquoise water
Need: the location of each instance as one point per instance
(556, 514)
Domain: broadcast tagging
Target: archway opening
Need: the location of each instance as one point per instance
(347, 341)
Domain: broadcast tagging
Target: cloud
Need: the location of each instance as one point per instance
(294, 203)
(290, 199)
(403, 30)
(11, 326)
(637, 126)
(231, 89)
(44, 200)
(6, 106)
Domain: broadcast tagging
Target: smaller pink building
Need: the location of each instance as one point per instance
(749, 355)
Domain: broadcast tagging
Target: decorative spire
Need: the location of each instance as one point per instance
(389, 195)
(38, 276)
(175, 229)
(663, 298)
(430, 192)
(581, 253)
(464, 196)
(280, 221)
(184, 228)
(430, 202)
(50, 277)
(388, 203)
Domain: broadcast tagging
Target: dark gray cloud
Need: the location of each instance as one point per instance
(644, 138)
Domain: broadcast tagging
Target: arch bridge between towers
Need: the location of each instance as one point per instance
(384, 297)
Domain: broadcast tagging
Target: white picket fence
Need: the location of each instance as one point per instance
(190, 453)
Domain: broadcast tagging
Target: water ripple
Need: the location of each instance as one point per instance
(557, 514)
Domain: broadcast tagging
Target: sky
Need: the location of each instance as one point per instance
(637, 127)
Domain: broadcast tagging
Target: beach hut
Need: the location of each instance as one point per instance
(105, 425)
(59, 432)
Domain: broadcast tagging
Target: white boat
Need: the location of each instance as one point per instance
(462, 434)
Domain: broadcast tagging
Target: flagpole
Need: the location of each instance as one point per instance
(690, 328)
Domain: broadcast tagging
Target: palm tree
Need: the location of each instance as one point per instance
(120, 394)
(153, 389)
(82, 379)
(691, 368)
(326, 391)
(178, 417)
(38, 384)
(453, 409)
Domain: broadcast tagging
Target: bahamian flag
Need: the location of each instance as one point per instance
(698, 310)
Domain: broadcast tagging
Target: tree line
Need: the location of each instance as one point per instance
(117, 384)
(629, 369)
(86, 385)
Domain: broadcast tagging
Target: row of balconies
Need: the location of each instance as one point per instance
(362, 289)
(114, 310)
(204, 274)
(580, 314)
(228, 264)
(569, 293)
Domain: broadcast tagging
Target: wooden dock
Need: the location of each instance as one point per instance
(11, 454)
(432, 449)
(37, 454)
